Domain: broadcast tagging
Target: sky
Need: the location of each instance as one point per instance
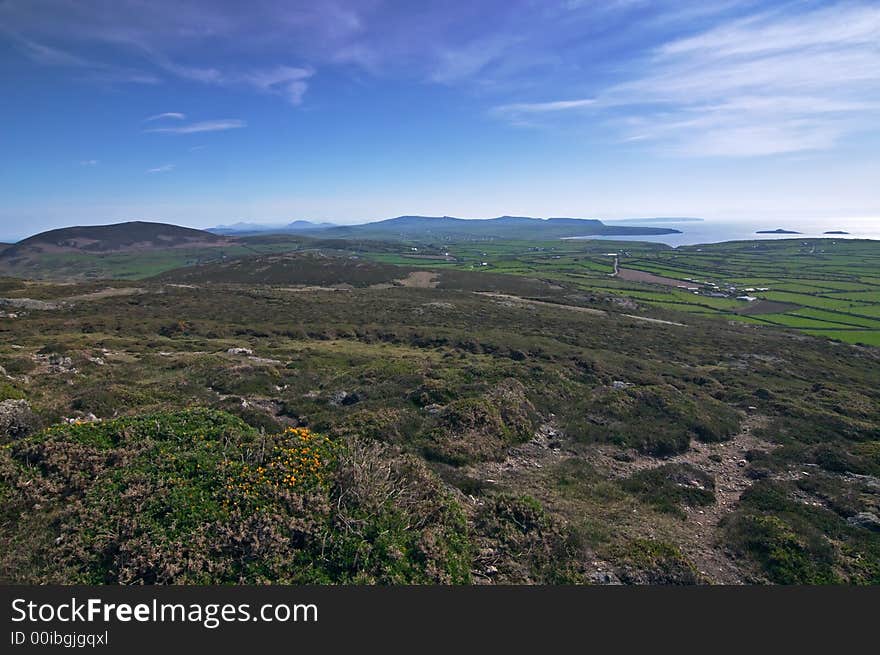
(203, 113)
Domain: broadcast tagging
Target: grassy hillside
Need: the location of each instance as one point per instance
(823, 287)
(134, 235)
(473, 426)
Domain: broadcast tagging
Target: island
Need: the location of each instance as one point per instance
(777, 231)
(835, 232)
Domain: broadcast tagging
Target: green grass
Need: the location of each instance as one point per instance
(420, 380)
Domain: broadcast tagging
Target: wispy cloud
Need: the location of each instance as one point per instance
(87, 68)
(543, 107)
(771, 83)
(289, 82)
(167, 168)
(49, 56)
(88, 162)
(176, 115)
(202, 126)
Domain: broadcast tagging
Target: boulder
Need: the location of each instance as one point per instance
(867, 520)
(17, 420)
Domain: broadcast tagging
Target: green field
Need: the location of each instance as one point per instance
(831, 286)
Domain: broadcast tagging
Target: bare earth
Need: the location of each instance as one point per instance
(730, 482)
(420, 280)
(700, 541)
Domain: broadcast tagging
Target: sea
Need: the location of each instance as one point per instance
(712, 231)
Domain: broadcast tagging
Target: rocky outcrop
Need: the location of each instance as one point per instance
(17, 420)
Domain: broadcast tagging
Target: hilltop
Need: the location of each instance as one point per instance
(118, 250)
(132, 235)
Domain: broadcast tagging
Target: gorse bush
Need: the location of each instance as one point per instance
(199, 497)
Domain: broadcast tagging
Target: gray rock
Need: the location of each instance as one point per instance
(240, 351)
(57, 363)
(867, 520)
(344, 398)
(604, 577)
(17, 420)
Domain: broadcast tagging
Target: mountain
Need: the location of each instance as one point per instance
(119, 237)
(300, 226)
(93, 251)
(503, 227)
(259, 228)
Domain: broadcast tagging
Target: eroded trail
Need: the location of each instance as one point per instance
(726, 463)
(699, 539)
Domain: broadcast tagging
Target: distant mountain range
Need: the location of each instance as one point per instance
(31, 256)
(259, 228)
(412, 228)
(503, 227)
(143, 235)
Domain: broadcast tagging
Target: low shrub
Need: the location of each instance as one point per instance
(670, 486)
(200, 497)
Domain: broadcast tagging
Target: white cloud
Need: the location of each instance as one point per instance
(88, 69)
(455, 64)
(771, 83)
(288, 82)
(167, 168)
(89, 162)
(202, 126)
(543, 107)
(176, 115)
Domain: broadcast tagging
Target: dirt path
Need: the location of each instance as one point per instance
(699, 538)
(725, 461)
(109, 292)
(572, 308)
(542, 303)
(659, 321)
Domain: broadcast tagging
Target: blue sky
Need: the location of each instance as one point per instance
(202, 113)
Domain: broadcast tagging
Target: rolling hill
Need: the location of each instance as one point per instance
(133, 235)
(502, 227)
(139, 249)
(109, 250)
